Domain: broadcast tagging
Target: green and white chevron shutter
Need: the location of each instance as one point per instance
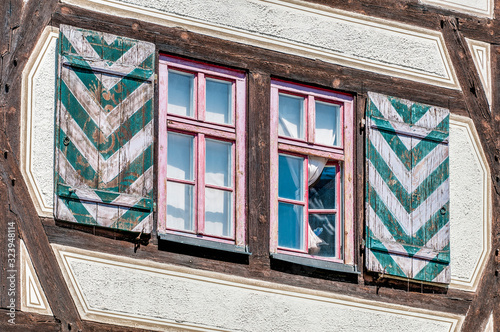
(104, 126)
(407, 198)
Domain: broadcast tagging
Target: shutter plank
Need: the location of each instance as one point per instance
(430, 202)
(110, 117)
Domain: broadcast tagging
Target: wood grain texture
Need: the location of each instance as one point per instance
(419, 296)
(25, 24)
(487, 125)
(475, 97)
(31, 231)
(32, 322)
(292, 68)
(423, 15)
(259, 168)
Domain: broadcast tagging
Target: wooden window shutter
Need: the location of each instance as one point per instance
(407, 201)
(104, 130)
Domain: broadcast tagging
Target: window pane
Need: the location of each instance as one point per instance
(218, 212)
(327, 124)
(180, 93)
(291, 118)
(218, 163)
(290, 226)
(291, 175)
(180, 206)
(322, 192)
(218, 101)
(180, 156)
(322, 241)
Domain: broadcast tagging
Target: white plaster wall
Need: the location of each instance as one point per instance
(475, 7)
(469, 206)
(305, 29)
(121, 289)
(295, 25)
(42, 123)
(37, 121)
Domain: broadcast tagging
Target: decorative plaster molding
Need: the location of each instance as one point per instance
(489, 325)
(304, 29)
(473, 7)
(33, 298)
(482, 59)
(464, 230)
(38, 136)
(96, 283)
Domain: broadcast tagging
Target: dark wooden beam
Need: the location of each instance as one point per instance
(487, 123)
(26, 21)
(29, 322)
(474, 96)
(359, 182)
(32, 322)
(290, 67)
(415, 13)
(9, 254)
(259, 166)
(20, 206)
(417, 296)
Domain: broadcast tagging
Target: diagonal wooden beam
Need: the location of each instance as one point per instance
(32, 232)
(474, 95)
(486, 298)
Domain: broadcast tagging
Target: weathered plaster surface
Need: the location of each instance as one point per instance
(305, 29)
(474, 7)
(470, 217)
(123, 290)
(37, 121)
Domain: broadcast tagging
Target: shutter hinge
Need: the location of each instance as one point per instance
(154, 206)
(156, 78)
(362, 246)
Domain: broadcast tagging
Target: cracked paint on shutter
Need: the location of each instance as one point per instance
(407, 199)
(104, 126)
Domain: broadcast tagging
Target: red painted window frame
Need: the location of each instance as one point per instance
(201, 130)
(341, 156)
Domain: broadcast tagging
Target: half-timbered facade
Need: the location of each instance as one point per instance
(249, 165)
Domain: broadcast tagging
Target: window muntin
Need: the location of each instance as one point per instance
(202, 174)
(312, 204)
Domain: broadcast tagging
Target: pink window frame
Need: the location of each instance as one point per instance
(341, 156)
(201, 130)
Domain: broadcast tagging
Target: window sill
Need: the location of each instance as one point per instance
(316, 263)
(203, 243)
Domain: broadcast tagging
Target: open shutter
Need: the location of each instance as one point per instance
(104, 126)
(407, 202)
